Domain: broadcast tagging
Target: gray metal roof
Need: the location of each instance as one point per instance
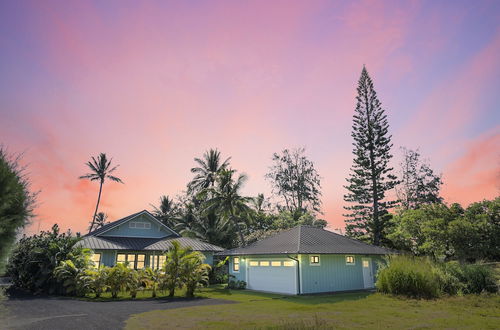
(148, 244)
(123, 220)
(307, 240)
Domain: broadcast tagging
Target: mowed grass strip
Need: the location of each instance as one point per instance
(348, 310)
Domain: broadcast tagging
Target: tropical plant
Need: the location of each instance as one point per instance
(225, 200)
(172, 267)
(371, 175)
(154, 279)
(194, 272)
(166, 212)
(207, 170)
(195, 222)
(136, 281)
(74, 275)
(16, 202)
(99, 283)
(117, 279)
(34, 258)
(101, 170)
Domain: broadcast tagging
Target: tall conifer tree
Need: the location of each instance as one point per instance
(371, 176)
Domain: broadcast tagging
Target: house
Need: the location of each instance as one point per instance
(304, 260)
(141, 240)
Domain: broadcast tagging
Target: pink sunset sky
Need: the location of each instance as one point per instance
(156, 83)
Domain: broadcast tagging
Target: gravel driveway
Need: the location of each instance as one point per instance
(63, 313)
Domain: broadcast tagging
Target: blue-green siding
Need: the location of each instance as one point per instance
(330, 276)
(241, 275)
(333, 274)
(124, 230)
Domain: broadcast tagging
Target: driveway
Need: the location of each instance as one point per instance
(27, 312)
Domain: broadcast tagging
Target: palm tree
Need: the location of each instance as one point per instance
(207, 170)
(228, 203)
(166, 212)
(100, 220)
(206, 226)
(100, 170)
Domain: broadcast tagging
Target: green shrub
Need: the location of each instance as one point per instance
(449, 280)
(235, 284)
(409, 276)
(478, 278)
(34, 259)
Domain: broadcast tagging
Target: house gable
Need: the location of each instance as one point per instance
(141, 225)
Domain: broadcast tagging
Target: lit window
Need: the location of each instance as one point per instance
(288, 263)
(349, 260)
(96, 259)
(161, 261)
(314, 260)
(121, 258)
(236, 264)
(141, 258)
(131, 260)
(253, 263)
(276, 263)
(366, 263)
(264, 263)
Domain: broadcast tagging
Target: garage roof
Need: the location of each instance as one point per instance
(307, 240)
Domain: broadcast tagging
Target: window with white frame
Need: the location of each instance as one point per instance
(276, 263)
(139, 225)
(96, 259)
(314, 260)
(349, 260)
(288, 263)
(236, 264)
(253, 263)
(264, 263)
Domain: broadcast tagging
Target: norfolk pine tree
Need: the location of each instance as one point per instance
(371, 176)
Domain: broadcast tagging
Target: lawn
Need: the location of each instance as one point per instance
(348, 310)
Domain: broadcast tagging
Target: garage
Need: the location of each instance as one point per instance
(272, 275)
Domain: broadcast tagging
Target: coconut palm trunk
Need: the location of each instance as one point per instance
(97, 206)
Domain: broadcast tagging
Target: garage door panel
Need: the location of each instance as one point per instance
(279, 279)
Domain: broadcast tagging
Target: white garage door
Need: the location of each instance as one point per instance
(278, 276)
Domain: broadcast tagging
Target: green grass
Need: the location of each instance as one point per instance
(348, 310)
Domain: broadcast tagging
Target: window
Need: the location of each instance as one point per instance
(314, 260)
(253, 263)
(349, 260)
(139, 225)
(161, 261)
(236, 264)
(276, 263)
(141, 258)
(156, 262)
(121, 258)
(288, 263)
(366, 263)
(131, 260)
(96, 259)
(264, 263)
